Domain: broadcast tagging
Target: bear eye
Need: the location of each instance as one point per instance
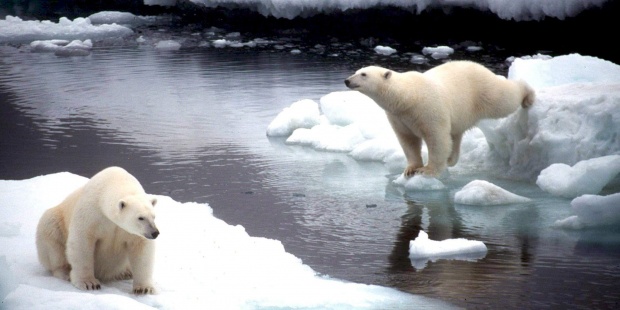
(363, 74)
(140, 219)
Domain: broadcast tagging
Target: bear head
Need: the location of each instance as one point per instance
(136, 215)
(368, 80)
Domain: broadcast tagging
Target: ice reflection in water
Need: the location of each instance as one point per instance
(191, 124)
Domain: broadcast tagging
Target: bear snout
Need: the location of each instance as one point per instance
(350, 84)
(155, 234)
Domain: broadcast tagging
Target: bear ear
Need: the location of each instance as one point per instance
(121, 205)
(153, 201)
(387, 74)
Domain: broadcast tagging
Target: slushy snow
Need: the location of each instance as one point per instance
(480, 192)
(201, 262)
(423, 249)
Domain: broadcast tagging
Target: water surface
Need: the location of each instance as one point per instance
(191, 124)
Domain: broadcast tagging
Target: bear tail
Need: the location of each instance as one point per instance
(528, 94)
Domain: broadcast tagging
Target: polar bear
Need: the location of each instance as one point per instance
(438, 106)
(104, 230)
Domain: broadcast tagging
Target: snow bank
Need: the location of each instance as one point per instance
(422, 249)
(201, 262)
(479, 192)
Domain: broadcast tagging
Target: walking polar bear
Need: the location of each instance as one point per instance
(438, 106)
(104, 230)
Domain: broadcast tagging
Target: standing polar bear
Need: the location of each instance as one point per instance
(104, 231)
(438, 106)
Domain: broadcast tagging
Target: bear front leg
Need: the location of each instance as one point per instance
(456, 149)
(141, 260)
(439, 149)
(81, 256)
(410, 143)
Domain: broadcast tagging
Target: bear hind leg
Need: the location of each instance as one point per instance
(50, 241)
(456, 149)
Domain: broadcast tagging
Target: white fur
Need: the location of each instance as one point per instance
(438, 106)
(104, 231)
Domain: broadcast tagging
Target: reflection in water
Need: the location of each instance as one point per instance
(191, 125)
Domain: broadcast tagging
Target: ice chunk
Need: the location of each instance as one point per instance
(440, 52)
(301, 114)
(168, 45)
(423, 249)
(14, 29)
(585, 177)
(568, 123)
(384, 50)
(593, 211)
(479, 192)
(419, 182)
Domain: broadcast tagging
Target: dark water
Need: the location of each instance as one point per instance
(191, 124)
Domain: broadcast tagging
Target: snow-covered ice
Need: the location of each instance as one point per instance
(201, 262)
(480, 192)
(423, 249)
(585, 177)
(517, 10)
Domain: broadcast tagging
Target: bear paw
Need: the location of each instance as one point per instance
(426, 171)
(87, 284)
(126, 275)
(143, 290)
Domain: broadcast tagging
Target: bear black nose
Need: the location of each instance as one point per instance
(346, 82)
(155, 234)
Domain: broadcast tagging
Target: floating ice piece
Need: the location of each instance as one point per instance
(592, 211)
(422, 249)
(473, 48)
(479, 192)
(418, 59)
(168, 45)
(115, 17)
(384, 50)
(585, 177)
(63, 47)
(14, 29)
(440, 52)
(301, 114)
(419, 182)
